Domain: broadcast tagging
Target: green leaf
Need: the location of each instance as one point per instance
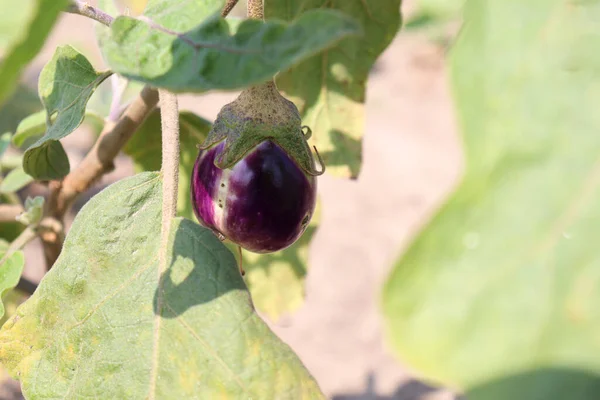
(172, 52)
(329, 88)
(33, 127)
(24, 101)
(23, 31)
(506, 277)
(65, 86)
(33, 211)
(276, 280)
(11, 300)
(541, 384)
(145, 149)
(107, 322)
(4, 142)
(10, 271)
(15, 180)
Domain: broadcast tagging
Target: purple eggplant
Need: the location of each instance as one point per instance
(263, 202)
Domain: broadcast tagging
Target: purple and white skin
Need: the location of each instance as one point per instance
(263, 203)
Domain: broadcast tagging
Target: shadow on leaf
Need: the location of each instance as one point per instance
(290, 256)
(186, 283)
(344, 145)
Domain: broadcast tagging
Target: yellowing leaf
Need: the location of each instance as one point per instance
(109, 322)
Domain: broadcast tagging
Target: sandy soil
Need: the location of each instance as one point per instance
(411, 161)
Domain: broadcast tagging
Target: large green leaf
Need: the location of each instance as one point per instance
(329, 88)
(107, 321)
(23, 30)
(145, 149)
(65, 86)
(11, 269)
(184, 46)
(541, 384)
(506, 278)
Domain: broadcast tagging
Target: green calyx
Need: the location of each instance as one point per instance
(261, 113)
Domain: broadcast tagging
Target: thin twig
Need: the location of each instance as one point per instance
(85, 9)
(256, 9)
(9, 212)
(228, 7)
(27, 286)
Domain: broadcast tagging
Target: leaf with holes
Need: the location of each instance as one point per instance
(108, 321)
(145, 149)
(65, 86)
(11, 269)
(183, 46)
(23, 31)
(329, 88)
(501, 290)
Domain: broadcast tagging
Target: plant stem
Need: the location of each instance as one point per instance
(52, 234)
(256, 9)
(228, 7)
(25, 237)
(82, 8)
(169, 116)
(9, 212)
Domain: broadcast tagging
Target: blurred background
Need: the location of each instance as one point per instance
(412, 159)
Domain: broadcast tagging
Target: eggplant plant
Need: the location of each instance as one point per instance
(142, 297)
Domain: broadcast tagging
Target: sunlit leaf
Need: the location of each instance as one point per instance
(276, 280)
(15, 180)
(33, 211)
(501, 289)
(109, 321)
(329, 88)
(65, 86)
(23, 30)
(184, 45)
(11, 269)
